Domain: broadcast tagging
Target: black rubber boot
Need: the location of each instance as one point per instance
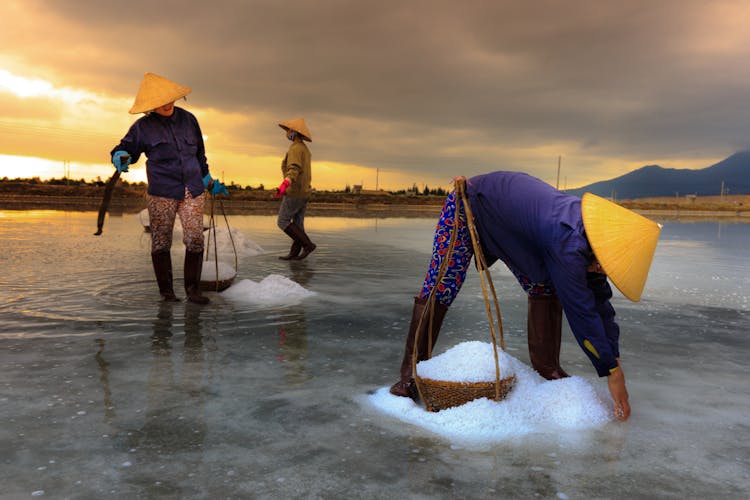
(544, 328)
(298, 234)
(193, 267)
(406, 387)
(163, 270)
(293, 251)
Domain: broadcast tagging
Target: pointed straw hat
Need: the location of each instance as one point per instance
(156, 91)
(299, 126)
(623, 242)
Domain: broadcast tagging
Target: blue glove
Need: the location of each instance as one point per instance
(207, 180)
(121, 160)
(219, 188)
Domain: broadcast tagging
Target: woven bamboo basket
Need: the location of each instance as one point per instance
(441, 394)
(216, 285)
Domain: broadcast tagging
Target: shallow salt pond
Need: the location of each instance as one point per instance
(278, 387)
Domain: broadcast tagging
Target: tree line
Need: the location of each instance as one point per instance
(231, 186)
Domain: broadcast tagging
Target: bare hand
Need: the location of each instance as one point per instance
(616, 383)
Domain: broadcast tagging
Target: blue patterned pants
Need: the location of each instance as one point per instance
(453, 216)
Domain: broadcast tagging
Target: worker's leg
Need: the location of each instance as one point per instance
(544, 328)
(424, 326)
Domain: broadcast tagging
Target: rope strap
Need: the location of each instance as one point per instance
(212, 233)
(484, 275)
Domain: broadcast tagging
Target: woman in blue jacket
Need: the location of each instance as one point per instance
(560, 248)
(177, 171)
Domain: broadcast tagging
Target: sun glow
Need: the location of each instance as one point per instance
(34, 87)
(26, 167)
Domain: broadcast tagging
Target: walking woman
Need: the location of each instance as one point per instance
(295, 189)
(178, 175)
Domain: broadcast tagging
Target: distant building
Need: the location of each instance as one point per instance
(357, 189)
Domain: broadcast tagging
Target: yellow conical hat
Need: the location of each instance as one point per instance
(298, 125)
(623, 242)
(156, 91)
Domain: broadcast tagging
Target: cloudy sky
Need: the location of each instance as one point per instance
(394, 92)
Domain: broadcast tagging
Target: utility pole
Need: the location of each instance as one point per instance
(559, 160)
(377, 178)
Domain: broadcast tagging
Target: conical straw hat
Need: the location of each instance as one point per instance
(623, 242)
(298, 125)
(156, 91)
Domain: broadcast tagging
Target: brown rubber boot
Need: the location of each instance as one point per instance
(298, 234)
(544, 336)
(162, 261)
(406, 387)
(293, 251)
(193, 267)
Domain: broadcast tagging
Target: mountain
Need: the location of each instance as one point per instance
(655, 181)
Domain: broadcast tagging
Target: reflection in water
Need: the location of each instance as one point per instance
(109, 408)
(176, 400)
(293, 347)
(176, 391)
(292, 335)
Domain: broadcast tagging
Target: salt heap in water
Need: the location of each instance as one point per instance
(534, 406)
(273, 289)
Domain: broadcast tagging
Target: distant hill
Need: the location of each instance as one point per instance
(656, 181)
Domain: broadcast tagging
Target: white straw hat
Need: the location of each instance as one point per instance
(156, 91)
(623, 241)
(299, 126)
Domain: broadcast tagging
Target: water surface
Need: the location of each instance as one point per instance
(106, 392)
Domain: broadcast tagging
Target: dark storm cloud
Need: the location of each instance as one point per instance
(392, 84)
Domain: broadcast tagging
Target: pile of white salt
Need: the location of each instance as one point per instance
(271, 290)
(534, 405)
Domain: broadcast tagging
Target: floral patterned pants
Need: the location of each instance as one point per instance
(453, 216)
(162, 213)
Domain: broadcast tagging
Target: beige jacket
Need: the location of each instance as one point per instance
(296, 167)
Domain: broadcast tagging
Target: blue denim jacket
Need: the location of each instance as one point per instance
(175, 154)
(537, 231)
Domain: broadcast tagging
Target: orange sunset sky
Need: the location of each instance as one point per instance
(402, 92)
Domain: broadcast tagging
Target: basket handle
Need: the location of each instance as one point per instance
(484, 273)
(212, 233)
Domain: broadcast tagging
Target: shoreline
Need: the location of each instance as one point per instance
(355, 209)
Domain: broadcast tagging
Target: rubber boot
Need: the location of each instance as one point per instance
(162, 261)
(298, 234)
(544, 335)
(293, 251)
(193, 267)
(406, 387)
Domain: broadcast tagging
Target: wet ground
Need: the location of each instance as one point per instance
(106, 392)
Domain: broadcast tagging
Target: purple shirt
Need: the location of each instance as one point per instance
(175, 154)
(538, 232)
